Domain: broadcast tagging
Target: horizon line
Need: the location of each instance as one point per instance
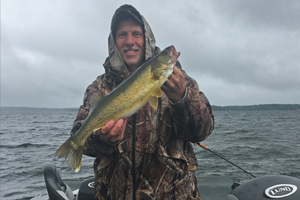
(211, 105)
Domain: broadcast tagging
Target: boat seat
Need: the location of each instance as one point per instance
(57, 189)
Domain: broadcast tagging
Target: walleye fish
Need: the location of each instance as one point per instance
(133, 93)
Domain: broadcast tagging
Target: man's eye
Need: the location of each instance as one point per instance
(121, 35)
(137, 34)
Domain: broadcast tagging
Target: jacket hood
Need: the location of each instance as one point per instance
(114, 62)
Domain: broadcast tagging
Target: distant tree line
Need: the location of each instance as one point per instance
(260, 107)
(250, 107)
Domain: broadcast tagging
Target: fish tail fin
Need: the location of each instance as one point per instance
(72, 152)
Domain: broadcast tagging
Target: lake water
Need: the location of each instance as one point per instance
(261, 142)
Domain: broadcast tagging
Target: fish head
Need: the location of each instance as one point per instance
(168, 56)
(165, 61)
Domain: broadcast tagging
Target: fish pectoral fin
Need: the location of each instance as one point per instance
(154, 102)
(94, 100)
(157, 92)
(155, 95)
(156, 73)
(94, 131)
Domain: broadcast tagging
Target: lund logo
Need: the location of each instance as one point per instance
(91, 184)
(280, 191)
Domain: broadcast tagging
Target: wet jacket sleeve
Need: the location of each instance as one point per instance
(193, 116)
(94, 144)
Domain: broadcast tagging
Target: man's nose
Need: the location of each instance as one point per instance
(129, 39)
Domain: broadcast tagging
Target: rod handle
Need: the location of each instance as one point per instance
(202, 145)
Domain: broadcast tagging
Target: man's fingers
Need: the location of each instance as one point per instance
(177, 72)
(113, 132)
(174, 87)
(117, 127)
(108, 126)
(175, 78)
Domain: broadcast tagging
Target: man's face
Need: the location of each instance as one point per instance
(130, 43)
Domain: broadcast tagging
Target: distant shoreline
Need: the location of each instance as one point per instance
(259, 107)
(34, 108)
(214, 107)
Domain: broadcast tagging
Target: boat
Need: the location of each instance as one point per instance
(268, 187)
(57, 189)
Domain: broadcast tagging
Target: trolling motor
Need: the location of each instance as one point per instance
(59, 190)
(263, 188)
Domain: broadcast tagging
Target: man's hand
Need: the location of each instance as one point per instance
(174, 87)
(113, 132)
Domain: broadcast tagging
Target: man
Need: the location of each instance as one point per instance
(165, 162)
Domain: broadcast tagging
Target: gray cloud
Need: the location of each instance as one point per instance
(240, 53)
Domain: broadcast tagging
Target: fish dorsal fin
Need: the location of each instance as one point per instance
(154, 102)
(94, 100)
(157, 92)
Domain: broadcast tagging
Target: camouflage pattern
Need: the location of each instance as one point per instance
(165, 161)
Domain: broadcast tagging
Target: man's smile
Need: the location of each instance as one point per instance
(130, 51)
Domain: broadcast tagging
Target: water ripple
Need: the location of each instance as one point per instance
(262, 142)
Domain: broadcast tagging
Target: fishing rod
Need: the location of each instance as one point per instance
(206, 148)
(133, 158)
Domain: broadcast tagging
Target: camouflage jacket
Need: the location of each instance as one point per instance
(165, 161)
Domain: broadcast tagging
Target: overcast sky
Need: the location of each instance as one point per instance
(239, 52)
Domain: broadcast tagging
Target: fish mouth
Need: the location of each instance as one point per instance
(174, 53)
